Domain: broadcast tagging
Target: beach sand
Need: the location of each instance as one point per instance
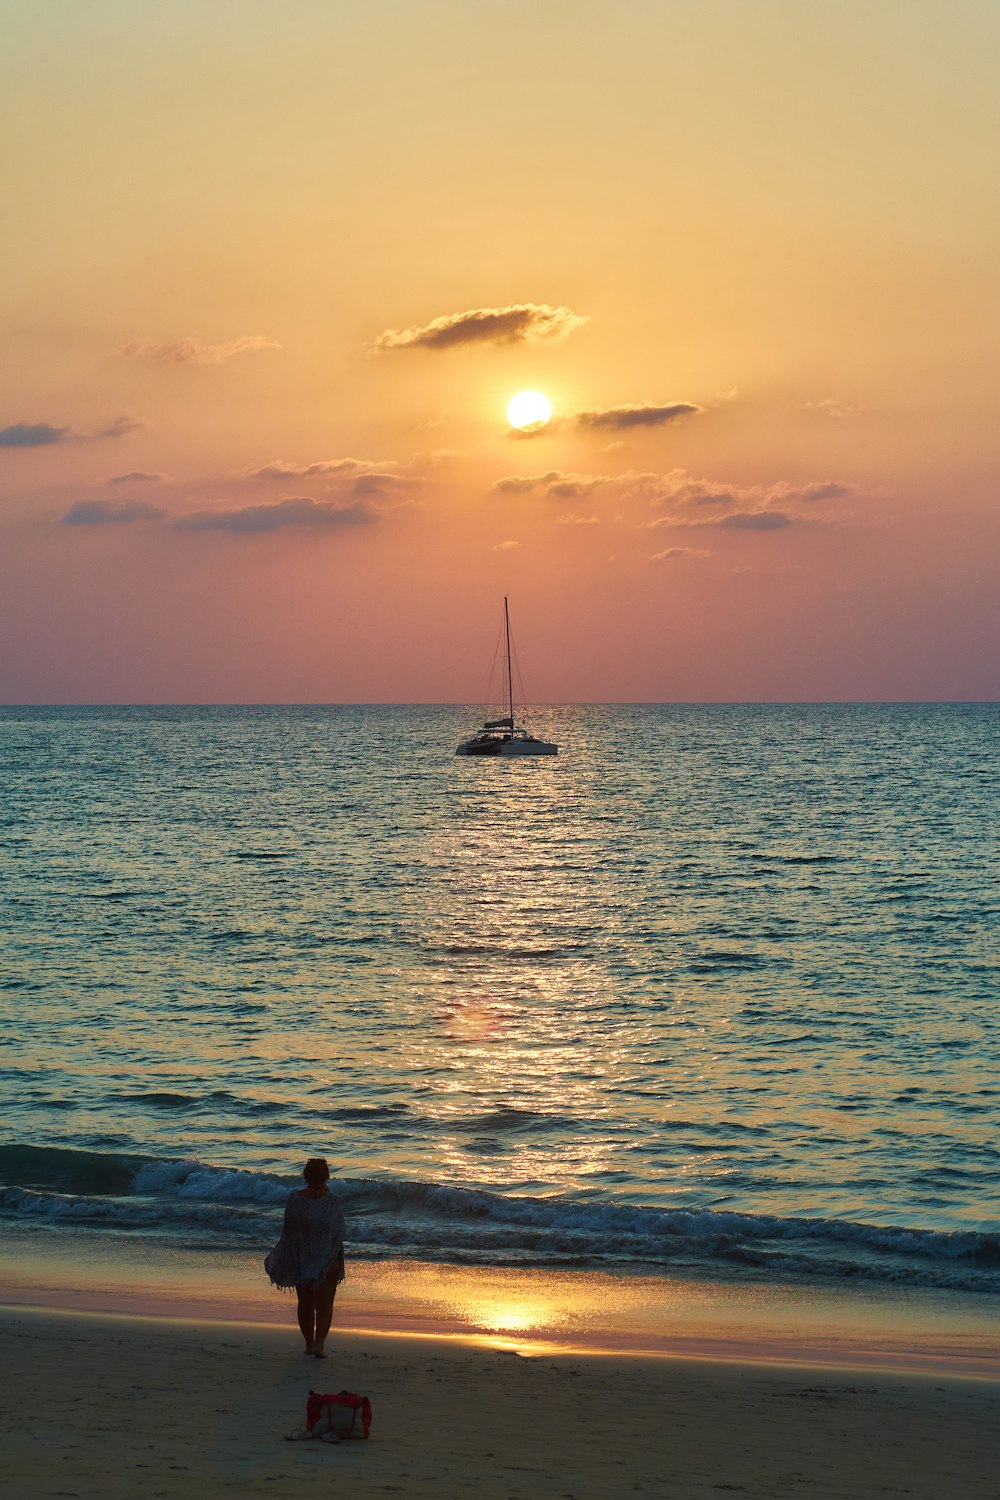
(121, 1406)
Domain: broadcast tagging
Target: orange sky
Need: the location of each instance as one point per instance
(273, 273)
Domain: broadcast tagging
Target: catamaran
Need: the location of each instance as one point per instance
(503, 736)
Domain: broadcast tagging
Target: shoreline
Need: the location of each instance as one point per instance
(532, 1312)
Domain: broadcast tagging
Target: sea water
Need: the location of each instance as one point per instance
(714, 991)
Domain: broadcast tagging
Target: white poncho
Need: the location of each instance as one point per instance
(311, 1244)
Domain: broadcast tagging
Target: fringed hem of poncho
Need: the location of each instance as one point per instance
(311, 1243)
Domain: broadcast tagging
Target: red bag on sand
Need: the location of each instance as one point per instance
(345, 1415)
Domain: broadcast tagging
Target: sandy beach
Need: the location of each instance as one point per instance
(118, 1406)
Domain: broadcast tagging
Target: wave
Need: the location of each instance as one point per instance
(223, 1206)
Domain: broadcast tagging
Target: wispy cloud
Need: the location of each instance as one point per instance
(281, 469)
(120, 427)
(519, 322)
(678, 554)
(568, 520)
(136, 476)
(298, 511)
(32, 435)
(506, 546)
(195, 351)
(111, 512)
(831, 408)
(637, 414)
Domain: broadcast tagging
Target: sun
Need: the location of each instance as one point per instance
(529, 411)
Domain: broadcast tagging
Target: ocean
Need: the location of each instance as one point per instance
(714, 992)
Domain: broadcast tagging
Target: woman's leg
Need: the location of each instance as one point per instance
(324, 1309)
(307, 1315)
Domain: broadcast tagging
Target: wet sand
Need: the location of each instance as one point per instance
(120, 1406)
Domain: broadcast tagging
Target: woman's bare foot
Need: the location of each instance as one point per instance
(319, 1353)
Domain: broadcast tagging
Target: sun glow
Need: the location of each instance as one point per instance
(529, 411)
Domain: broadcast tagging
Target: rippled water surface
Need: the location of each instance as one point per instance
(714, 981)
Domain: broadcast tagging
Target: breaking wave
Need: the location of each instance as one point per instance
(219, 1206)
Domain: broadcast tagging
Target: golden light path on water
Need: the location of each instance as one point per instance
(508, 1035)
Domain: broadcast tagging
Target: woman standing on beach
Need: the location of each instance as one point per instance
(310, 1253)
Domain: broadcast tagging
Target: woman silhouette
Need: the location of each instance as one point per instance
(310, 1253)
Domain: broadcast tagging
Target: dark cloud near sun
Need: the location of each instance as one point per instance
(136, 476)
(520, 322)
(637, 414)
(298, 511)
(32, 435)
(111, 512)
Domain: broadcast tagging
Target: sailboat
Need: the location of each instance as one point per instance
(503, 736)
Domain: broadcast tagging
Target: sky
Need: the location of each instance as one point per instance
(271, 273)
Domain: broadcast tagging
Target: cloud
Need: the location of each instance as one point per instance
(445, 455)
(377, 484)
(568, 520)
(299, 511)
(506, 546)
(752, 520)
(281, 469)
(120, 427)
(32, 435)
(43, 434)
(733, 520)
(637, 414)
(555, 483)
(111, 512)
(195, 351)
(828, 489)
(678, 487)
(136, 476)
(687, 499)
(676, 554)
(836, 409)
(520, 322)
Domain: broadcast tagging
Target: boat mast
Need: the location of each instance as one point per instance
(510, 680)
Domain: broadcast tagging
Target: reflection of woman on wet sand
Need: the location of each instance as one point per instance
(310, 1254)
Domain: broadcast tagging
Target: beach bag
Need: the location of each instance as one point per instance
(334, 1417)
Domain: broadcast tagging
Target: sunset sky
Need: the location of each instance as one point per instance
(271, 273)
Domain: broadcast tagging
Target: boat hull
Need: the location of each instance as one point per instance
(529, 747)
(506, 747)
